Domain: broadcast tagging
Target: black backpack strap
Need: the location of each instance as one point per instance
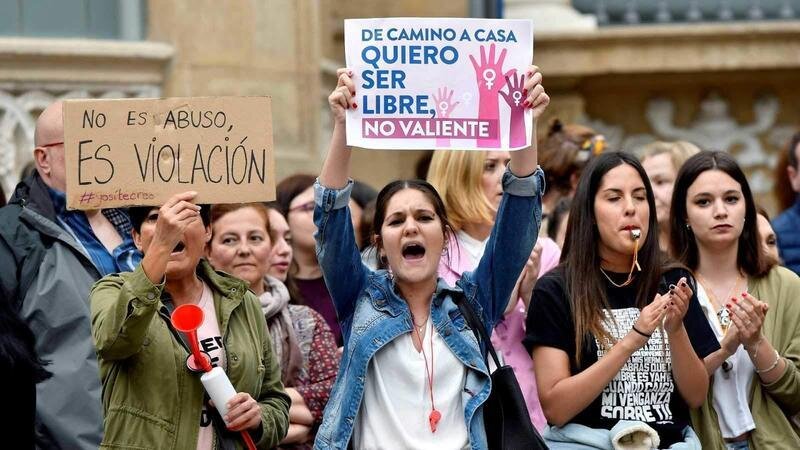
(471, 317)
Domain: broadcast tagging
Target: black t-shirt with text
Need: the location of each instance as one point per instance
(644, 389)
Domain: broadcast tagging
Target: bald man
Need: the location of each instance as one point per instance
(51, 257)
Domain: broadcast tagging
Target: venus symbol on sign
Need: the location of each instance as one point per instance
(517, 95)
(488, 76)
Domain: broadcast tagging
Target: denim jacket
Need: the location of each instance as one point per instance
(371, 314)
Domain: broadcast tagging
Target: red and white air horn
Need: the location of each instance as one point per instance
(187, 319)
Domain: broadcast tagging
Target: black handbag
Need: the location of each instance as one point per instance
(505, 414)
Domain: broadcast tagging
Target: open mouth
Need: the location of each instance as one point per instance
(179, 247)
(413, 251)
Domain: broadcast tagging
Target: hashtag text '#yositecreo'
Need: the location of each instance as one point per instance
(87, 197)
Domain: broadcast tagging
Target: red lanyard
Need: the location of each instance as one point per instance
(435, 415)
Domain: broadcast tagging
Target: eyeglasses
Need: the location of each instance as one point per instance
(305, 207)
(52, 144)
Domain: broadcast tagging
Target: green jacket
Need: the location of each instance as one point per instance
(150, 399)
(772, 403)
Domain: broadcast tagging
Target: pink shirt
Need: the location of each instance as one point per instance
(509, 332)
(210, 339)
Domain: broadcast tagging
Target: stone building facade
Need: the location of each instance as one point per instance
(724, 83)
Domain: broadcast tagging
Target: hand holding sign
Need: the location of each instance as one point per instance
(173, 218)
(171, 221)
(537, 99)
(343, 97)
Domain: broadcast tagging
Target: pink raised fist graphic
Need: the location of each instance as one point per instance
(515, 98)
(490, 78)
(443, 99)
(444, 102)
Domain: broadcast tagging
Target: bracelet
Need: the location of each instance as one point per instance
(774, 365)
(758, 344)
(648, 336)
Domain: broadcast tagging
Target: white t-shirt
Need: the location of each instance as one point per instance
(210, 339)
(396, 405)
(731, 387)
(471, 247)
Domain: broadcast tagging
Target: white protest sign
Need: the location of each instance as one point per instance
(439, 83)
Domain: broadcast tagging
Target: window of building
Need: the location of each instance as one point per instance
(92, 19)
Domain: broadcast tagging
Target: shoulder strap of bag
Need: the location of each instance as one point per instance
(480, 331)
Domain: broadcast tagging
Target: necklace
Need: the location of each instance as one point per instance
(627, 282)
(723, 314)
(420, 327)
(435, 416)
(635, 234)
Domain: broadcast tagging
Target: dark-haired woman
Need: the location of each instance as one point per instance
(150, 398)
(295, 197)
(602, 357)
(412, 374)
(751, 304)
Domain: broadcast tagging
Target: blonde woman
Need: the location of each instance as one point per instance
(470, 185)
(662, 160)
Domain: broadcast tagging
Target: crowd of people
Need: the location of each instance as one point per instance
(643, 301)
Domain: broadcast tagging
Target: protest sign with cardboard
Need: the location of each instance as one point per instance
(439, 83)
(142, 151)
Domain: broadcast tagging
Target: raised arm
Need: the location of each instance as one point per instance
(523, 162)
(518, 218)
(337, 252)
(122, 308)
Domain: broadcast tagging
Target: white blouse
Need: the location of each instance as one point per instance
(731, 387)
(396, 405)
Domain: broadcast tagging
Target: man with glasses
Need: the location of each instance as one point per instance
(51, 257)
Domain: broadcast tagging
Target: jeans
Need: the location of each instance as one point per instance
(741, 445)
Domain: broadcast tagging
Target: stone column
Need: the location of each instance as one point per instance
(550, 15)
